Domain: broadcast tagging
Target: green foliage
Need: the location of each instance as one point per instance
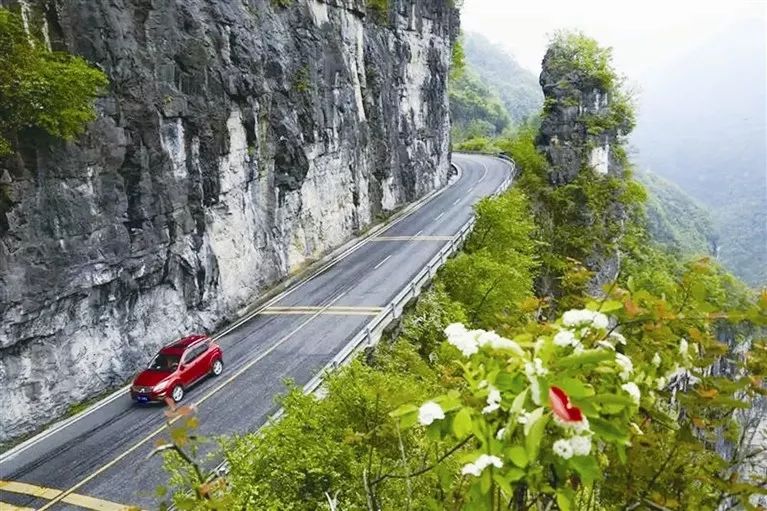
(42, 90)
(675, 219)
(574, 52)
(496, 268)
(478, 144)
(301, 82)
(457, 60)
(516, 87)
(380, 7)
(475, 110)
(282, 3)
(490, 419)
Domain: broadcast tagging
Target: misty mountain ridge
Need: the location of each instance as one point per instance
(701, 124)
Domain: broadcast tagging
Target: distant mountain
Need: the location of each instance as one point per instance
(517, 87)
(676, 220)
(475, 109)
(701, 124)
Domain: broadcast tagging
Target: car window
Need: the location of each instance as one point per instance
(163, 362)
(195, 352)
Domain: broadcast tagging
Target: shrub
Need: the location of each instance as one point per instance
(40, 89)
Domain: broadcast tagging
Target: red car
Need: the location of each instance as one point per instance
(176, 367)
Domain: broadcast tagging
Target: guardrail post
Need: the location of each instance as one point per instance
(369, 337)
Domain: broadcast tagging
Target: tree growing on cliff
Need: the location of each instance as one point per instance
(40, 89)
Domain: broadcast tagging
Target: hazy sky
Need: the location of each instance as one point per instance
(641, 32)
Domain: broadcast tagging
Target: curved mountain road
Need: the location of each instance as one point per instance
(100, 461)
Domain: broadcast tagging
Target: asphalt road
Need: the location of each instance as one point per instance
(100, 462)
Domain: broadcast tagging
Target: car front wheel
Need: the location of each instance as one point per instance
(217, 367)
(178, 393)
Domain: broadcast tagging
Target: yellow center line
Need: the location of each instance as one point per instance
(42, 492)
(64, 494)
(10, 507)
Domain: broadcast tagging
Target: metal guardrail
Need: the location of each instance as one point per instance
(373, 331)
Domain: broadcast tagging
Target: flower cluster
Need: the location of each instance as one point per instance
(493, 401)
(481, 463)
(469, 342)
(584, 317)
(429, 412)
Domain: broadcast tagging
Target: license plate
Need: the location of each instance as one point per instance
(142, 399)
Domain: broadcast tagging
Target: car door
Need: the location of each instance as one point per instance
(196, 361)
(187, 370)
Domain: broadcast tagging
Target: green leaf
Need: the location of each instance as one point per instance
(503, 484)
(584, 358)
(611, 305)
(574, 388)
(517, 455)
(565, 499)
(485, 480)
(608, 431)
(519, 402)
(532, 418)
(533, 439)
(586, 466)
(403, 410)
(462, 423)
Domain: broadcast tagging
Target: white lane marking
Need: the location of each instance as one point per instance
(382, 262)
(456, 201)
(439, 216)
(418, 233)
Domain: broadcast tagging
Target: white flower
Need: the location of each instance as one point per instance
(618, 337)
(535, 368)
(563, 449)
(564, 338)
(577, 348)
(454, 329)
(581, 445)
(429, 412)
(471, 469)
(661, 383)
(464, 340)
(625, 364)
(493, 401)
(580, 427)
(632, 390)
(497, 342)
(606, 345)
(535, 391)
(576, 317)
(583, 317)
(683, 347)
(481, 464)
(599, 320)
(500, 433)
(656, 360)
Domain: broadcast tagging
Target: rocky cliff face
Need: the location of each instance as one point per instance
(583, 127)
(580, 126)
(237, 141)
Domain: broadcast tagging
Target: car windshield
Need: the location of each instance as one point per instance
(164, 362)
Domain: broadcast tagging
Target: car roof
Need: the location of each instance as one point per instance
(178, 347)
